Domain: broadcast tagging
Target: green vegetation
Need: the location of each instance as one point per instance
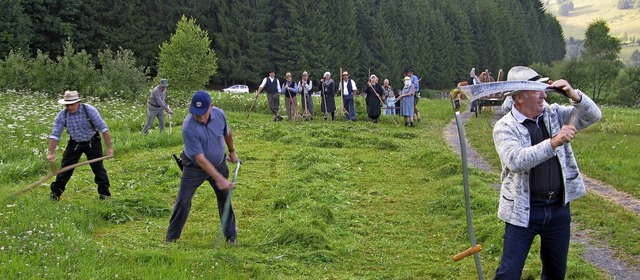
(314, 199)
(316, 36)
(186, 58)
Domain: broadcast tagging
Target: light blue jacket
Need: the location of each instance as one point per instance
(517, 156)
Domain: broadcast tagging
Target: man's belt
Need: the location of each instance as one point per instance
(154, 105)
(551, 195)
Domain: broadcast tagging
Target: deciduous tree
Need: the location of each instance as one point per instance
(187, 59)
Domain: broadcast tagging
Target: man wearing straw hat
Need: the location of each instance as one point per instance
(84, 125)
(206, 134)
(156, 106)
(348, 89)
(540, 175)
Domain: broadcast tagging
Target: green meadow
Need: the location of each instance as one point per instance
(314, 200)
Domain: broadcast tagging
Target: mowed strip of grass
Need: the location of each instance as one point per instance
(314, 200)
(605, 151)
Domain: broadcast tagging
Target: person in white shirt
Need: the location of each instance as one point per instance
(272, 86)
(348, 89)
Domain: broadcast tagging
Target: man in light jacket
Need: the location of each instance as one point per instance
(540, 175)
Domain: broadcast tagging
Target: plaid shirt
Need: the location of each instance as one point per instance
(77, 125)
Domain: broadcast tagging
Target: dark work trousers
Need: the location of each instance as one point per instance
(552, 221)
(92, 149)
(192, 178)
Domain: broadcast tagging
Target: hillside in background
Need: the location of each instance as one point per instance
(624, 24)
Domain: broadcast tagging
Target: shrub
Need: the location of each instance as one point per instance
(74, 71)
(14, 71)
(41, 70)
(119, 76)
(628, 93)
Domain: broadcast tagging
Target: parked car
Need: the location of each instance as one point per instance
(237, 89)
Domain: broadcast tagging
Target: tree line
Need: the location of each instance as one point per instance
(440, 40)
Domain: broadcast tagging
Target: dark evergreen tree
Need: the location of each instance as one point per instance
(15, 28)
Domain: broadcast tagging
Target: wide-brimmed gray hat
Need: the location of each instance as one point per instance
(70, 97)
(523, 73)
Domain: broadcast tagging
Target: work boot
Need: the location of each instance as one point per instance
(232, 240)
(54, 197)
(411, 124)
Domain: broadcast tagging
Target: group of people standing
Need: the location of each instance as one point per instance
(272, 86)
(378, 96)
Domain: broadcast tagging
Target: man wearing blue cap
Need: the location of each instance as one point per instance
(156, 106)
(205, 133)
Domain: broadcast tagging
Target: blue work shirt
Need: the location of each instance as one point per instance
(416, 82)
(207, 139)
(77, 124)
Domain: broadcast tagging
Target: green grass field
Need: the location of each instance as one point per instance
(314, 200)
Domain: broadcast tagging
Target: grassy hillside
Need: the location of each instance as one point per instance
(619, 21)
(315, 200)
(585, 11)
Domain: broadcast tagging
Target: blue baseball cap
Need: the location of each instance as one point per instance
(200, 103)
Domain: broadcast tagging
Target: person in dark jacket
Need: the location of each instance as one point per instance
(327, 93)
(374, 96)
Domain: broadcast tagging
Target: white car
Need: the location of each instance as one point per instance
(237, 89)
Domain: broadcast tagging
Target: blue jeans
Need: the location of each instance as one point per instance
(349, 105)
(549, 219)
(192, 178)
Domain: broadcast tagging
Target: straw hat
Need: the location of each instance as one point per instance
(345, 73)
(522, 73)
(70, 97)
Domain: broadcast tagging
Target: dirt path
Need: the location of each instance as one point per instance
(597, 252)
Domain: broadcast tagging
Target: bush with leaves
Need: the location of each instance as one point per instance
(74, 71)
(628, 89)
(119, 76)
(41, 69)
(187, 59)
(14, 71)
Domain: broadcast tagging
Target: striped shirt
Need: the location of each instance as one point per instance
(77, 125)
